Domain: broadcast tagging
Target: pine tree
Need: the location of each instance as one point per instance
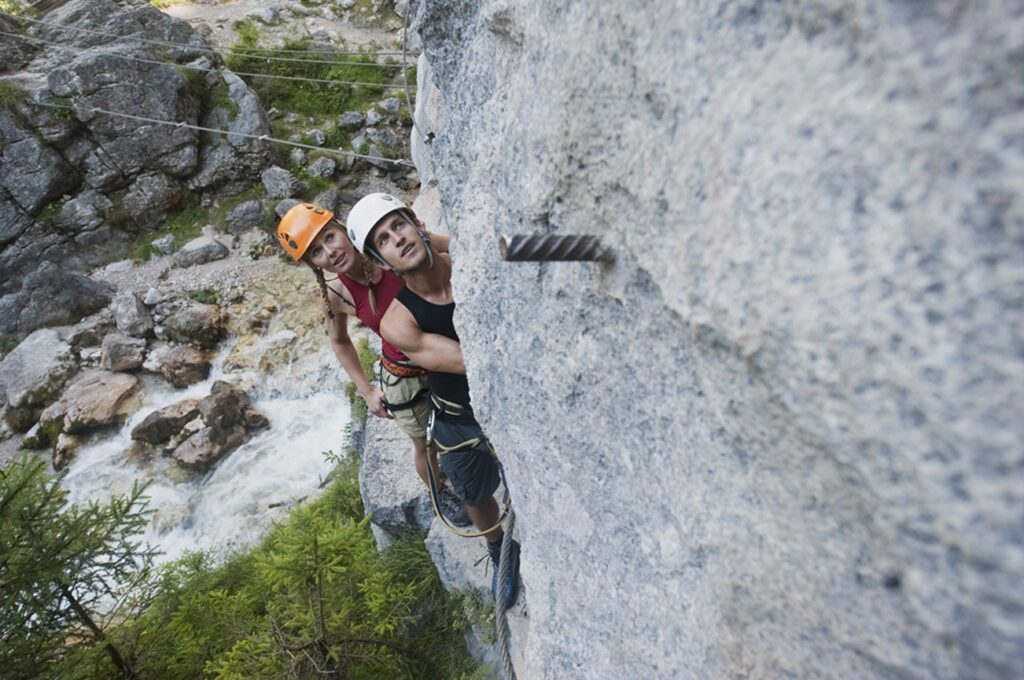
(65, 571)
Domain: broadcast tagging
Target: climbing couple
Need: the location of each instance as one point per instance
(396, 278)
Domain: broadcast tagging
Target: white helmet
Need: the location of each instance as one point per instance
(365, 215)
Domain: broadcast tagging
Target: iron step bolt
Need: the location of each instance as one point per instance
(551, 248)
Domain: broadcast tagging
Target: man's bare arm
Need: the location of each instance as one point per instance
(431, 351)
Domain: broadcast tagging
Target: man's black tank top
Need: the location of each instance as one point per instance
(437, 319)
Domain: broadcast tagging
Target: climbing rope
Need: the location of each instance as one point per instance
(500, 613)
(405, 81)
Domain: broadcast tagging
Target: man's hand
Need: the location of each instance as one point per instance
(375, 402)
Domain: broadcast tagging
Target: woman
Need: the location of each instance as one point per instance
(311, 234)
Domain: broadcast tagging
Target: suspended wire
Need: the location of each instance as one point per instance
(241, 51)
(263, 138)
(427, 138)
(119, 55)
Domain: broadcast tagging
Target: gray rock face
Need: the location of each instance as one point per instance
(780, 433)
(199, 251)
(108, 176)
(122, 353)
(31, 172)
(279, 183)
(55, 296)
(130, 315)
(152, 198)
(231, 167)
(84, 212)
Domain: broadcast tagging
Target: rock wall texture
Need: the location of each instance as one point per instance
(781, 435)
(78, 186)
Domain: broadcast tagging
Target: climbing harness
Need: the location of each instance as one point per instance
(450, 408)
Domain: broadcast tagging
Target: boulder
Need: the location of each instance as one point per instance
(322, 167)
(97, 78)
(297, 157)
(352, 120)
(317, 137)
(392, 491)
(200, 451)
(161, 425)
(55, 296)
(65, 449)
(35, 439)
(391, 105)
(228, 422)
(245, 215)
(89, 332)
(122, 353)
(152, 198)
(163, 245)
(382, 136)
(33, 374)
(374, 117)
(224, 406)
(84, 212)
(199, 251)
(232, 167)
(181, 365)
(94, 398)
(335, 199)
(284, 206)
(269, 16)
(195, 323)
(130, 315)
(279, 183)
(152, 298)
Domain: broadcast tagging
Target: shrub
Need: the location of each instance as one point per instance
(314, 596)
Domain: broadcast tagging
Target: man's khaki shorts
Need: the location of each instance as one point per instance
(412, 420)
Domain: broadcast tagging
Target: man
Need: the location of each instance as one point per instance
(311, 234)
(419, 322)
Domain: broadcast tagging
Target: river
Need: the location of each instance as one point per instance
(232, 505)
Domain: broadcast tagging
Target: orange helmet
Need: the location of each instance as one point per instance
(299, 227)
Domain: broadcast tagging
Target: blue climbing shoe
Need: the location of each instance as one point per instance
(510, 588)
